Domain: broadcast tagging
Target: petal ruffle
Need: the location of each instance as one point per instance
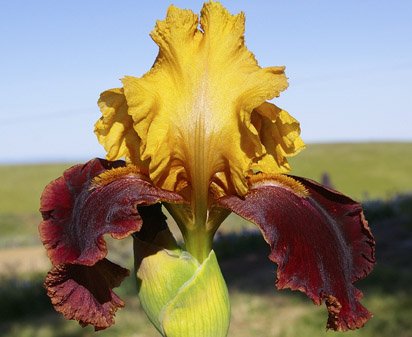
(279, 133)
(192, 110)
(114, 129)
(77, 213)
(88, 201)
(84, 293)
(319, 239)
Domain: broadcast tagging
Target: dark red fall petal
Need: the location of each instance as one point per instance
(320, 241)
(84, 293)
(153, 236)
(77, 213)
(154, 221)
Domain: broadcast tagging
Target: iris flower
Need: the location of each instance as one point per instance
(198, 135)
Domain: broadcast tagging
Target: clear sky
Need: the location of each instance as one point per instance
(349, 65)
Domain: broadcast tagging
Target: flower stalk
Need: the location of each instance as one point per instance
(198, 242)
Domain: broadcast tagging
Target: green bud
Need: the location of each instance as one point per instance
(181, 297)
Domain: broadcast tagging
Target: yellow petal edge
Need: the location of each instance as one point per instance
(200, 114)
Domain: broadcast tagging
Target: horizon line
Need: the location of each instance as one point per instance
(43, 160)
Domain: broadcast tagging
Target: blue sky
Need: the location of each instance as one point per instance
(349, 65)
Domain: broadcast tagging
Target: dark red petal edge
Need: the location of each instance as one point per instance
(84, 293)
(76, 215)
(320, 242)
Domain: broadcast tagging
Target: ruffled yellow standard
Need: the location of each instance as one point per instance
(199, 117)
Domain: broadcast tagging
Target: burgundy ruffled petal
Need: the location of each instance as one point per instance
(84, 293)
(88, 201)
(319, 239)
(77, 213)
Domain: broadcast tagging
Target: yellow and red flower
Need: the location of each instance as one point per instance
(198, 135)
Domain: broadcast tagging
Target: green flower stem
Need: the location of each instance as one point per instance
(198, 242)
(198, 236)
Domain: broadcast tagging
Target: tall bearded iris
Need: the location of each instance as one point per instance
(198, 136)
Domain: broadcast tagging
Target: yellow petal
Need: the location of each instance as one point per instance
(114, 129)
(279, 133)
(198, 120)
(192, 109)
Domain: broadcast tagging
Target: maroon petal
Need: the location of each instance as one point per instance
(154, 221)
(318, 237)
(84, 293)
(88, 201)
(77, 212)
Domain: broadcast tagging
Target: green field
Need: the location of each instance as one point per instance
(377, 173)
(362, 171)
(375, 170)
(20, 190)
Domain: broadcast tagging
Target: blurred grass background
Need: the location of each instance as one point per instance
(379, 174)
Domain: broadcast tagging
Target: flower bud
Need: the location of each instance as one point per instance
(181, 297)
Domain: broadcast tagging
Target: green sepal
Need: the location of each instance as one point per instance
(181, 297)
